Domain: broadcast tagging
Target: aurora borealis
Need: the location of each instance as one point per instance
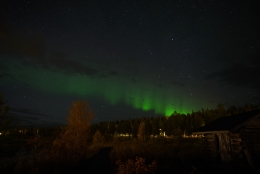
(143, 96)
(127, 59)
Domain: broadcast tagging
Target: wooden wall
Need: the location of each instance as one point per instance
(225, 147)
(210, 146)
(236, 148)
(250, 134)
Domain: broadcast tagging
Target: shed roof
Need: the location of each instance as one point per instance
(229, 123)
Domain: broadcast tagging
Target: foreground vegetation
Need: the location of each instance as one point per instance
(159, 155)
(135, 146)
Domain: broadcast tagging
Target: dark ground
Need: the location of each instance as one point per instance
(100, 164)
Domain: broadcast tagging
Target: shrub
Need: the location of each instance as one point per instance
(98, 138)
(136, 167)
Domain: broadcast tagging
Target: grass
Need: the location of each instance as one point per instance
(169, 155)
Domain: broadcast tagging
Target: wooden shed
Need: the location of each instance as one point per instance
(233, 139)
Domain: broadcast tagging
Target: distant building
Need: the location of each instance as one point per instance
(233, 139)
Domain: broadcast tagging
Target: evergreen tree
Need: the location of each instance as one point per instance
(135, 128)
(221, 110)
(3, 110)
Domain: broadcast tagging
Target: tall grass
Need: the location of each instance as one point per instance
(181, 154)
(42, 157)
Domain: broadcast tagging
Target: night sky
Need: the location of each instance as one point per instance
(128, 59)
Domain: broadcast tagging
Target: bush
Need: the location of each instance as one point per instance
(136, 167)
(98, 138)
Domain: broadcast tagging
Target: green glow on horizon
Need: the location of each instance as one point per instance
(169, 111)
(142, 96)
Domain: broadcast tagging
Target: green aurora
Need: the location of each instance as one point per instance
(113, 90)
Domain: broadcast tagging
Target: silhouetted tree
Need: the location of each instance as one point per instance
(168, 126)
(196, 120)
(177, 132)
(221, 110)
(3, 109)
(135, 128)
(126, 127)
(155, 126)
(148, 128)
(176, 124)
(188, 125)
(112, 128)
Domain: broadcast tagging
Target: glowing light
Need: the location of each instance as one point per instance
(169, 111)
(118, 90)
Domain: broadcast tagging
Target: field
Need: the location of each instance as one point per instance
(30, 154)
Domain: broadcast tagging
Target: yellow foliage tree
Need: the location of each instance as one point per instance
(141, 131)
(98, 138)
(72, 142)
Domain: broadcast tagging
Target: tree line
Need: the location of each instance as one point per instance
(176, 125)
(143, 128)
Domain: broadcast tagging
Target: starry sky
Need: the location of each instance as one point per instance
(128, 59)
